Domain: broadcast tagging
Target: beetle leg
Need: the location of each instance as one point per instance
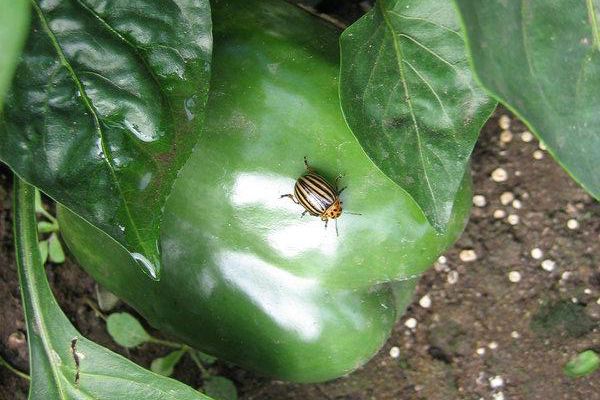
(304, 213)
(341, 190)
(326, 221)
(291, 196)
(308, 167)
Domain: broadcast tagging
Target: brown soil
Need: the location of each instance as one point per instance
(554, 315)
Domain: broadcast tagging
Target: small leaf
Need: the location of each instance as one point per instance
(542, 60)
(46, 227)
(165, 365)
(126, 330)
(410, 98)
(220, 388)
(64, 364)
(55, 250)
(205, 358)
(39, 207)
(105, 108)
(582, 364)
(43, 246)
(14, 19)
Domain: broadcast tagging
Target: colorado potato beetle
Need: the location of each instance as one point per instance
(318, 197)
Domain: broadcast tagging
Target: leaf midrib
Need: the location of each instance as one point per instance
(92, 110)
(399, 57)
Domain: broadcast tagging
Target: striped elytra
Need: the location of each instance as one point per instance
(318, 197)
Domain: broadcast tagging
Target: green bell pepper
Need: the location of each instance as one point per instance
(245, 278)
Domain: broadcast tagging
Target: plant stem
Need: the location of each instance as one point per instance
(203, 371)
(167, 343)
(13, 369)
(95, 308)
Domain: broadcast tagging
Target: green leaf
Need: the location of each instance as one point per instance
(106, 107)
(410, 99)
(205, 358)
(220, 388)
(14, 20)
(106, 300)
(46, 227)
(165, 365)
(582, 364)
(55, 250)
(541, 58)
(43, 248)
(65, 365)
(39, 207)
(126, 330)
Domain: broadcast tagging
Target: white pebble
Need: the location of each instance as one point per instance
(425, 301)
(542, 146)
(537, 253)
(517, 204)
(506, 136)
(442, 259)
(587, 291)
(499, 175)
(513, 219)
(526, 136)
(515, 335)
(479, 200)
(598, 301)
(467, 255)
(538, 154)
(514, 276)
(395, 352)
(574, 300)
(504, 122)
(480, 351)
(493, 345)
(506, 198)
(496, 382)
(410, 323)
(548, 265)
(499, 214)
(452, 277)
(572, 224)
(498, 396)
(565, 275)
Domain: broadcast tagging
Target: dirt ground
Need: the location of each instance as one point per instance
(483, 335)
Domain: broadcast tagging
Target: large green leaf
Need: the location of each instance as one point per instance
(105, 108)
(14, 17)
(64, 364)
(542, 59)
(409, 97)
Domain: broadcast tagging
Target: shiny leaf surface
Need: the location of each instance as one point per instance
(14, 20)
(410, 99)
(65, 365)
(105, 108)
(541, 58)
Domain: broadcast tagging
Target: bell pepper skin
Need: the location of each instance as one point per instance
(245, 278)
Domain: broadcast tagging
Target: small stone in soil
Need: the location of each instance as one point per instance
(496, 382)
(452, 277)
(442, 259)
(498, 396)
(542, 146)
(499, 175)
(506, 136)
(395, 352)
(526, 136)
(425, 301)
(565, 275)
(499, 214)
(517, 204)
(548, 265)
(410, 323)
(572, 224)
(481, 351)
(506, 198)
(515, 335)
(467, 255)
(504, 122)
(538, 154)
(479, 201)
(513, 219)
(514, 276)
(493, 345)
(537, 253)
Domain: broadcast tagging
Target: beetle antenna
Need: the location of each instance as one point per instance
(352, 213)
(336, 229)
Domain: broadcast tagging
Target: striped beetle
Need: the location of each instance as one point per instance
(317, 196)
